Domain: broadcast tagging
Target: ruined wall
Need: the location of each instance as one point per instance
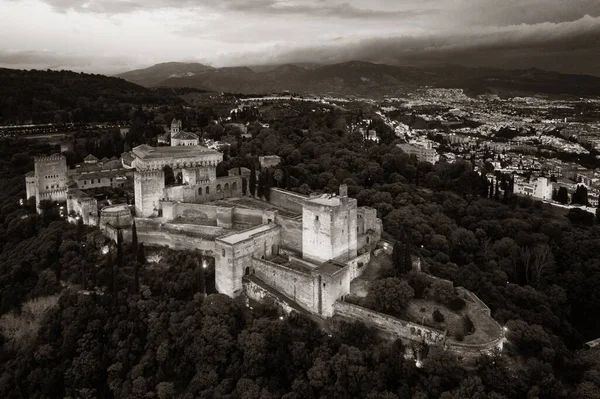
(390, 325)
(300, 287)
(198, 213)
(291, 232)
(287, 200)
(149, 186)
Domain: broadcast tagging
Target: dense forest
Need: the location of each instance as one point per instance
(151, 332)
(69, 97)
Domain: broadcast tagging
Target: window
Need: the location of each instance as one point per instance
(207, 190)
(223, 252)
(316, 218)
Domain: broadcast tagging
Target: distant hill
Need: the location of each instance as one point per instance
(157, 73)
(39, 96)
(368, 79)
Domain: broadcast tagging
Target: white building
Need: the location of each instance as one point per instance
(539, 188)
(423, 150)
(179, 137)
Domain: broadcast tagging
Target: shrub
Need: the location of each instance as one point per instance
(419, 283)
(438, 317)
(456, 303)
(468, 326)
(442, 291)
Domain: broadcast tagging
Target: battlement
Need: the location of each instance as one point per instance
(53, 193)
(49, 158)
(147, 175)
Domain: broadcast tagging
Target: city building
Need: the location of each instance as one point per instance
(180, 137)
(423, 150)
(536, 187)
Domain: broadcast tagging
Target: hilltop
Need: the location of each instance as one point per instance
(40, 96)
(367, 79)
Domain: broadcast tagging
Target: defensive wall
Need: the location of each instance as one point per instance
(179, 236)
(117, 216)
(215, 215)
(234, 251)
(291, 232)
(295, 283)
(257, 290)
(205, 190)
(287, 200)
(390, 325)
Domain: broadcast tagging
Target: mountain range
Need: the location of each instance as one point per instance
(362, 79)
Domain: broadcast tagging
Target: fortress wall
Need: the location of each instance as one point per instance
(257, 291)
(200, 213)
(357, 266)
(388, 324)
(300, 287)
(176, 241)
(291, 233)
(333, 288)
(287, 200)
(244, 218)
(232, 259)
(343, 238)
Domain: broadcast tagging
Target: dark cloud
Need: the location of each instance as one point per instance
(260, 7)
(567, 46)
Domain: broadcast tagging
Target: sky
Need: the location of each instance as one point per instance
(112, 36)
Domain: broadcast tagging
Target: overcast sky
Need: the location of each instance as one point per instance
(111, 36)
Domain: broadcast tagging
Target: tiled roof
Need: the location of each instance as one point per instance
(185, 136)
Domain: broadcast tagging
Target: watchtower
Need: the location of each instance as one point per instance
(50, 178)
(149, 186)
(175, 127)
(329, 228)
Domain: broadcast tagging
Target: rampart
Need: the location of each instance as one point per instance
(291, 232)
(298, 285)
(287, 200)
(215, 215)
(178, 236)
(390, 325)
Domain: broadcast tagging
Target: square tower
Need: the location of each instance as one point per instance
(148, 186)
(329, 229)
(50, 178)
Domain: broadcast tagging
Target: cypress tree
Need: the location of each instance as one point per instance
(261, 185)
(201, 277)
(80, 230)
(141, 254)
(268, 184)
(252, 181)
(119, 248)
(244, 183)
(134, 239)
(407, 263)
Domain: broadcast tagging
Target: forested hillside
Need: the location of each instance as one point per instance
(65, 96)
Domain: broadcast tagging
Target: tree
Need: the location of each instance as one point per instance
(580, 197)
(442, 291)
(563, 195)
(80, 230)
(141, 254)
(134, 239)
(169, 175)
(244, 187)
(252, 184)
(200, 275)
(390, 295)
(278, 175)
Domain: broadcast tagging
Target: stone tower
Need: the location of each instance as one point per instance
(149, 186)
(175, 127)
(50, 179)
(329, 228)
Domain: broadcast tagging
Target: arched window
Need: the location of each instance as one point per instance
(247, 271)
(234, 186)
(226, 187)
(200, 191)
(218, 188)
(207, 190)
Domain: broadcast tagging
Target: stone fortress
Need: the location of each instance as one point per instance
(301, 252)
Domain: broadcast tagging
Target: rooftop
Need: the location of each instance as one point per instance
(187, 151)
(234, 238)
(186, 136)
